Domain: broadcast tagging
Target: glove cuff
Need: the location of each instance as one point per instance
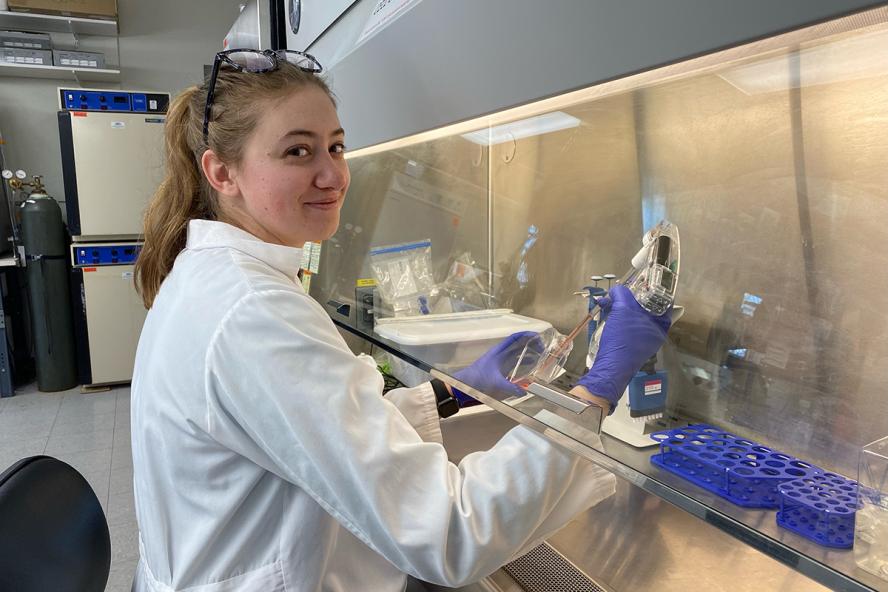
(602, 387)
(463, 399)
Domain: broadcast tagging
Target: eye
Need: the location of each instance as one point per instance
(338, 148)
(300, 151)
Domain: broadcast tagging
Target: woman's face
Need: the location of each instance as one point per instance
(293, 176)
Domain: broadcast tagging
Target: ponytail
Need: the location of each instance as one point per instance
(176, 201)
(185, 194)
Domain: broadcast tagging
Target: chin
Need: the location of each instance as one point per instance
(317, 234)
(330, 229)
(330, 232)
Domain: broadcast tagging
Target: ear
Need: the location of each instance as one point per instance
(218, 174)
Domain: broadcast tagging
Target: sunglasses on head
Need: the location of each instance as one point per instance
(254, 61)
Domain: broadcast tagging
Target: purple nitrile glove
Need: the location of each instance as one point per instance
(631, 335)
(488, 373)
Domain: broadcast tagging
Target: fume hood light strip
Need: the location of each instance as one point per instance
(543, 569)
(739, 470)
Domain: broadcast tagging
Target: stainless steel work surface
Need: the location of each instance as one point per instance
(637, 541)
(634, 540)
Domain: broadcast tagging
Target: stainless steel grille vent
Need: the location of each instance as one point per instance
(544, 570)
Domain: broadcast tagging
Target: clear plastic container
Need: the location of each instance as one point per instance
(871, 525)
(455, 340)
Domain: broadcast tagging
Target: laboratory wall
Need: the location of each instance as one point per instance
(163, 47)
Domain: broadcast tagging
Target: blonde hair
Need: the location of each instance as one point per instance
(185, 194)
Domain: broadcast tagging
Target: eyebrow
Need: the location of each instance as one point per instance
(311, 134)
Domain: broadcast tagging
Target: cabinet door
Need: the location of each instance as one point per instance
(114, 316)
(118, 158)
(310, 18)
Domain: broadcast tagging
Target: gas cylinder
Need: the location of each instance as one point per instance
(46, 260)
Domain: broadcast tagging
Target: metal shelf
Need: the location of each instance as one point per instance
(835, 569)
(25, 21)
(60, 72)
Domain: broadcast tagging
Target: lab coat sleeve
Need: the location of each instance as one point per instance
(284, 390)
(418, 406)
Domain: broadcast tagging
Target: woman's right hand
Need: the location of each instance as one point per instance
(631, 335)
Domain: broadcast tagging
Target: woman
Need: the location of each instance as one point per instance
(265, 457)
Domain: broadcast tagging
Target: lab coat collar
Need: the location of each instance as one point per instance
(211, 234)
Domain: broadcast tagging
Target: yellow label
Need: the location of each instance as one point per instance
(363, 283)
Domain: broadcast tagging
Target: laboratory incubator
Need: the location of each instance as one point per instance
(111, 146)
(527, 168)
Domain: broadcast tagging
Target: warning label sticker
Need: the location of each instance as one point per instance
(653, 387)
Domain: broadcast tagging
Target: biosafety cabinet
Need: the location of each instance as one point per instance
(532, 144)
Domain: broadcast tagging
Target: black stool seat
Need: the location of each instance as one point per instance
(53, 531)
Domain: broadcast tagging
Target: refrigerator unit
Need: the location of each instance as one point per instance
(112, 161)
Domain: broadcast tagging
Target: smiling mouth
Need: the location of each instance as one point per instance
(327, 204)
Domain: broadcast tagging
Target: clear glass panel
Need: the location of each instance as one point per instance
(779, 192)
(871, 526)
(775, 172)
(774, 168)
(435, 192)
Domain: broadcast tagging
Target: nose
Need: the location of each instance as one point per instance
(332, 174)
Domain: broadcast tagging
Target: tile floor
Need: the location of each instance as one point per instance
(91, 432)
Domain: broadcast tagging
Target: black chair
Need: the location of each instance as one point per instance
(53, 532)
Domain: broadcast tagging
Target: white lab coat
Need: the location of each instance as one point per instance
(266, 460)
